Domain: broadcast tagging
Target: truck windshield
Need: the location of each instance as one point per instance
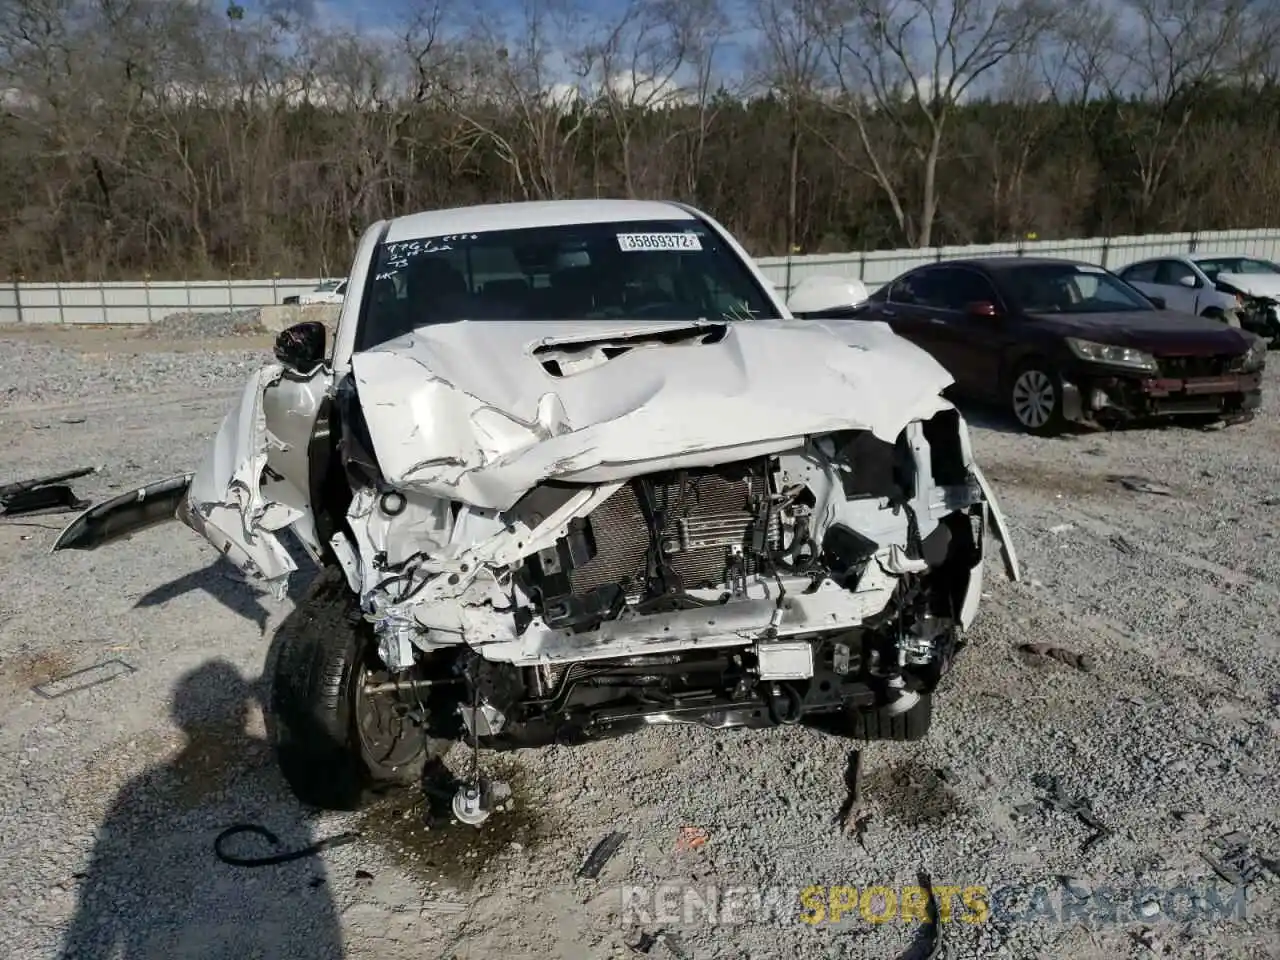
(655, 269)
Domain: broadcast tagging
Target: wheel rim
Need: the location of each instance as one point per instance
(1033, 398)
(389, 738)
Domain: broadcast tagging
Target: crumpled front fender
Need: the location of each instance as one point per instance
(225, 503)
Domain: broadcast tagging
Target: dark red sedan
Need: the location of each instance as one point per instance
(1054, 341)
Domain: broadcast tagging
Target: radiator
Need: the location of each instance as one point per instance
(709, 518)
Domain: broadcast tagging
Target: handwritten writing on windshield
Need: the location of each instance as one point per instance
(399, 254)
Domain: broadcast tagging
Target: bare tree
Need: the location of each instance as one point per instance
(1082, 51)
(200, 139)
(521, 71)
(705, 93)
(1173, 55)
(911, 62)
(645, 64)
(788, 65)
(48, 76)
(1006, 153)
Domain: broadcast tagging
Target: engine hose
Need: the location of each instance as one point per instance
(771, 702)
(309, 851)
(914, 546)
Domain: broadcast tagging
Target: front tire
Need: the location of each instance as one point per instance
(334, 744)
(905, 726)
(1035, 399)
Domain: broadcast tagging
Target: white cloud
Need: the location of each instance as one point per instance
(634, 89)
(931, 87)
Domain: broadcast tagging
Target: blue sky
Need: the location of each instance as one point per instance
(388, 16)
(389, 13)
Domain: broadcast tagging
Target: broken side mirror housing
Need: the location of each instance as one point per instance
(826, 296)
(982, 308)
(301, 347)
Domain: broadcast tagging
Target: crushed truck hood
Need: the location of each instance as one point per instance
(482, 411)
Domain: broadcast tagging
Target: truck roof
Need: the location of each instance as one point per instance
(524, 214)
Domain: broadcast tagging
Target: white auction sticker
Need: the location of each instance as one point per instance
(659, 241)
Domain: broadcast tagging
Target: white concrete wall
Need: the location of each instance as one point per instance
(136, 303)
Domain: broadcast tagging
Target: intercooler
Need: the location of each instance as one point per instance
(707, 520)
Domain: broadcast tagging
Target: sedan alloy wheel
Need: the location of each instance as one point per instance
(1035, 400)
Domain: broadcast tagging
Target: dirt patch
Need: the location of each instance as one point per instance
(455, 853)
(27, 670)
(911, 794)
(167, 770)
(110, 768)
(1052, 480)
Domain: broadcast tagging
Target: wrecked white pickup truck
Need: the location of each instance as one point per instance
(572, 468)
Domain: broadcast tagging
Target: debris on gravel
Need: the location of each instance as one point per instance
(1069, 657)
(201, 325)
(111, 797)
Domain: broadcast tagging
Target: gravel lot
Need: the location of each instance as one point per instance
(112, 794)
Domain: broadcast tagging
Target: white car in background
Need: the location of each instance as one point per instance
(330, 291)
(1244, 291)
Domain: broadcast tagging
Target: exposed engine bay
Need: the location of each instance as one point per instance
(832, 576)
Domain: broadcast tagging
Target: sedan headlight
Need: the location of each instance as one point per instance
(1113, 355)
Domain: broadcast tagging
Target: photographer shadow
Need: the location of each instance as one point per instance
(154, 887)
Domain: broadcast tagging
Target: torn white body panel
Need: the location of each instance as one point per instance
(744, 622)
(227, 502)
(432, 555)
(484, 433)
(290, 404)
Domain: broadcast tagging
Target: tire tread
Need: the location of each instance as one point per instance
(313, 732)
(901, 727)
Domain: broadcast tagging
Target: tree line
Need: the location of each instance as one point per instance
(199, 139)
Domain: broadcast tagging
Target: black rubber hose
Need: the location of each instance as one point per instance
(336, 841)
(796, 702)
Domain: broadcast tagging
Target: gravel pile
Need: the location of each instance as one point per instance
(111, 797)
(200, 325)
(39, 374)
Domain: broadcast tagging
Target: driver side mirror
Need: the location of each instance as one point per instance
(826, 296)
(1189, 281)
(301, 347)
(982, 308)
